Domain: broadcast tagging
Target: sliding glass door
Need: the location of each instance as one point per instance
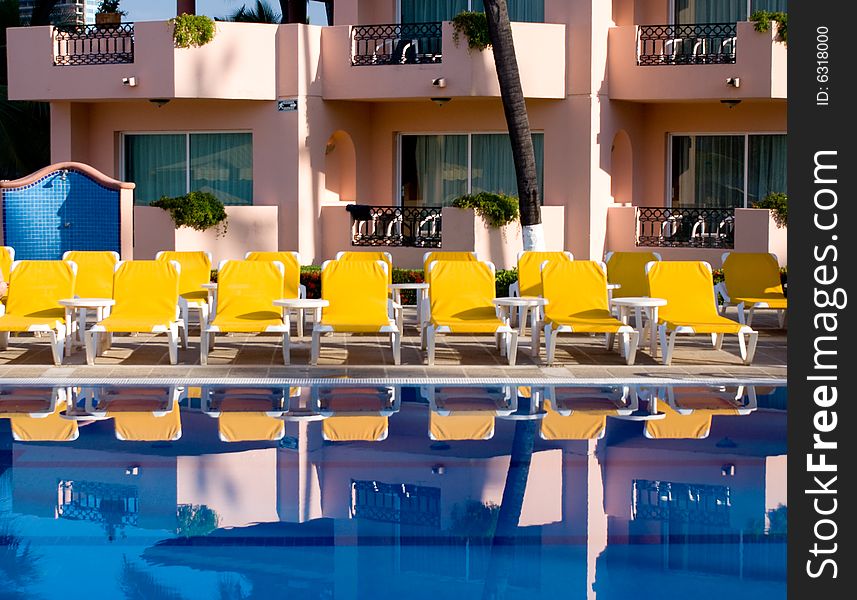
(436, 169)
(693, 12)
(430, 11)
(726, 171)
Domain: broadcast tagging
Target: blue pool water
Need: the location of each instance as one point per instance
(690, 503)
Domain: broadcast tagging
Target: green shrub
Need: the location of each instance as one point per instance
(110, 7)
(496, 210)
(762, 20)
(473, 25)
(778, 204)
(197, 210)
(503, 279)
(192, 30)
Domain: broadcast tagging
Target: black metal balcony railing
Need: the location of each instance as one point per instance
(412, 226)
(702, 44)
(94, 44)
(686, 227)
(396, 44)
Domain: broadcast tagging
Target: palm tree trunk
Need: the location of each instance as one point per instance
(512, 95)
(502, 546)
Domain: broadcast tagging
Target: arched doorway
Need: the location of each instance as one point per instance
(340, 168)
(622, 169)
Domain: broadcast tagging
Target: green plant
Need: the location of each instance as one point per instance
(496, 210)
(473, 519)
(110, 7)
(192, 30)
(197, 210)
(763, 18)
(503, 278)
(195, 519)
(778, 204)
(473, 25)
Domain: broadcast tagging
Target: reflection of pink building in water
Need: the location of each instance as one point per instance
(583, 509)
(288, 124)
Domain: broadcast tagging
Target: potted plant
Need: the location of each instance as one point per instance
(197, 210)
(108, 14)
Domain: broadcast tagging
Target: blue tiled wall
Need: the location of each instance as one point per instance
(64, 210)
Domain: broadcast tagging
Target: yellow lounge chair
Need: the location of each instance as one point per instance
(372, 256)
(44, 423)
(35, 288)
(195, 271)
(580, 413)
(577, 291)
(691, 308)
(466, 413)
(147, 301)
(94, 280)
(246, 291)
(358, 303)
(628, 270)
(752, 281)
(292, 286)
(461, 301)
(248, 414)
(144, 414)
(688, 411)
(529, 281)
(7, 257)
(355, 414)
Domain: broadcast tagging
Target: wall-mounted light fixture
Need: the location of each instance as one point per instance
(438, 469)
(439, 82)
(731, 102)
(159, 102)
(727, 470)
(129, 81)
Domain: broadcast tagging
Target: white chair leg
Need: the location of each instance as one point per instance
(81, 325)
(4, 340)
(58, 344)
(204, 339)
(631, 341)
(535, 338)
(287, 354)
(430, 342)
(512, 350)
(550, 343)
(714, 340)
(750, 316)
(781, 318)
(91, 346)
(718, 341)
(670, 346)
(751, 350)
(609, 341)
(741, 318)
(203, 317)
(397, 347)
(185, 312)
(315, 350)
(173, 342)
(301, 317)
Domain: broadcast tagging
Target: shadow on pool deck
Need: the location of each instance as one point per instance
(371, 356)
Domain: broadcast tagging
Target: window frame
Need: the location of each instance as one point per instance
(470, 4)
(672, 12)
(187, 133)
(397, 190)
(745, 134)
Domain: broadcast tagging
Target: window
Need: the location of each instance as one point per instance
(722, 11)
(436, 169)
(726, 171)
(177, 163)
(431, 11)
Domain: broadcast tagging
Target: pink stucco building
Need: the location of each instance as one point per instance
(633, 103)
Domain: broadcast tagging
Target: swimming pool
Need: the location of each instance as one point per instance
(244, 489)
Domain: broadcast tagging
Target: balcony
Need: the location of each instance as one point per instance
(664, 63)
(90, 62)
(400, 61)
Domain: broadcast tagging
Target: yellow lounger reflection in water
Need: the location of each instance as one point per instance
(34, 414)
(466, 413)
(145, 414)
(354, 414)
(248, 414)
(689, 410)
(580, 413)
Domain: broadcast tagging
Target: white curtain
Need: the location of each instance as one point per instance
(708, 171)
(493, 167)
(710, 11)
(431, 11)
(434, 169)
(766, 166)
(157, 164)
(222, 164)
